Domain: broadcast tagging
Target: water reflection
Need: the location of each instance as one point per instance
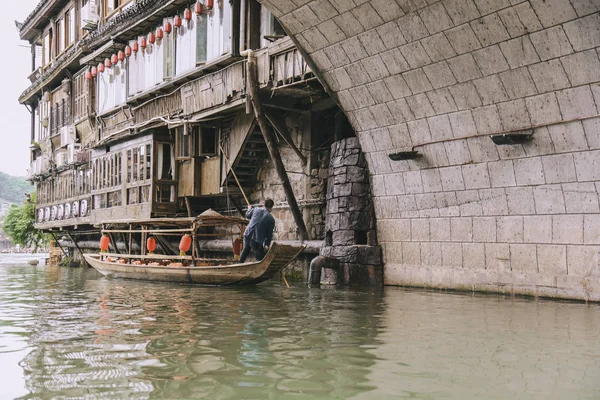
(78, 334)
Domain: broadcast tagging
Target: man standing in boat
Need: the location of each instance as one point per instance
(259, 232)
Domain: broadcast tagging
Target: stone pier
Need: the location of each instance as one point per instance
(350, 234)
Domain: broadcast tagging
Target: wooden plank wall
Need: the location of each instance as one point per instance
(212, 90)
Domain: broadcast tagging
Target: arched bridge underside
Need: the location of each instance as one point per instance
(440, 77)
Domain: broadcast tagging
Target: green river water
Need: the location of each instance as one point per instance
(73, 334)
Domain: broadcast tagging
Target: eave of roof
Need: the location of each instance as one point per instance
(32, 25)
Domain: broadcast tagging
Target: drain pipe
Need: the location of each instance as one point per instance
(252, 91)
(323, 270)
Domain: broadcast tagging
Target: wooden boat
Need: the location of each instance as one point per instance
(189, 269)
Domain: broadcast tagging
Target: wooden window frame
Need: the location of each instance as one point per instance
(200, 133)
(117, 9)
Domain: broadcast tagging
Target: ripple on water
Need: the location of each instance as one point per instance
(79, 335)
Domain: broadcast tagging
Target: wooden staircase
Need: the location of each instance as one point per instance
(249, 161)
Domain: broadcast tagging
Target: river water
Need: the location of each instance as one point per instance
(71, 333)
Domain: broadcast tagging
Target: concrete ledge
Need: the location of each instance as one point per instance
(482, 280)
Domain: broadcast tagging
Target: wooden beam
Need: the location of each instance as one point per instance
(283, 131)
(252, 75)
(56, 241)
(113, 241)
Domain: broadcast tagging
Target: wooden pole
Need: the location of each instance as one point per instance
(280, 127)
(58, 244)
(234, 175)
(272, 146)
(130, 250)
(114, 242)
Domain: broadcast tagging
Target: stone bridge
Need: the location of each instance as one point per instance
(440, 77)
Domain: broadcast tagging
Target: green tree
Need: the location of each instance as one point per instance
(18, 225)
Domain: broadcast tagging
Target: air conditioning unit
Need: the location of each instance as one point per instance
(61, 159)
(90, 16)
(67, 135)
(72, 151)
(44, 163)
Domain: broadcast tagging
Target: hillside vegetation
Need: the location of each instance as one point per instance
(13, 188)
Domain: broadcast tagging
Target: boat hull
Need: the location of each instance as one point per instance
(278, 257)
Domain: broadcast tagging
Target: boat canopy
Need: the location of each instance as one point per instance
(207, 218)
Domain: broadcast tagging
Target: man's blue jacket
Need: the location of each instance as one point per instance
(260, 228)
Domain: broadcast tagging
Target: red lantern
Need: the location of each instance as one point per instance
(114, 59)
(88, 75)
(135, 47)
(159, 33)
(210, 4)
(94, 71)
(128, 51)
(121, 55)
(177, 21)
(198, 8)
(151, 245)
(100, 68)
(107, 63)
(185, 244)
(104, 243)
(168, 28)
(151, 38)
(143, 43)
(187, 14)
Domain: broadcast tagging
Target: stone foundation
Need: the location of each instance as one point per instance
(350, 235)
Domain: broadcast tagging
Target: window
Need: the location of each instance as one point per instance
(47, 48)
(185, 46)
(60, 35)
(270, 28)
(208, 141)
(165, 165)
(168, 54)
(219, 31)
(70, 26)
(110, 6)
(183, 140)
(165, 162)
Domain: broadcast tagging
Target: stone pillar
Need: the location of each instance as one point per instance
(350, 235)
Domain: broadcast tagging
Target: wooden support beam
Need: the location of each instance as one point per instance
(114, 242)
(252, 75)
(165, 245)
(56, 241)
(283, 131)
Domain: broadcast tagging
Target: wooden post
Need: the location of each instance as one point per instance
(130, 250)
(272, 146)
(143, 244)
(114, 242)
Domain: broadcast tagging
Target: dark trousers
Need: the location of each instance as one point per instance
(257, 250)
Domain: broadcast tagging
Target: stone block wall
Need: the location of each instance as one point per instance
(309, 184)
(440, 77)
(350, 224)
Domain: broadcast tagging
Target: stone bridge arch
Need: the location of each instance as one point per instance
(440, 77)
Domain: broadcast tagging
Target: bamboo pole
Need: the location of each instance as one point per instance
(234, 175)
(271, 144)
